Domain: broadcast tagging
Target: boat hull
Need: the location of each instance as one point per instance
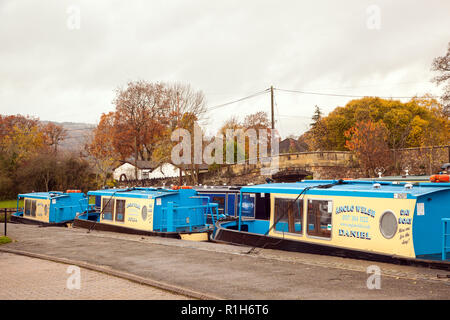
(254, 240)
(93, 225)
(22, 220)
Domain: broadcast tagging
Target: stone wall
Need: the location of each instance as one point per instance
(305, 160)
(421, 161)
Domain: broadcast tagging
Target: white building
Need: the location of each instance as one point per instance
(149, 170)
(166, 170)
(127, 171)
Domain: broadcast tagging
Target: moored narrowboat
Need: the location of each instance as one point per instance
(178, 213)
(49, 208)
(254, 205)
(377, 220)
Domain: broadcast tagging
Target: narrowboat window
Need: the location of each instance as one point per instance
(319, 218)
(248, 205)
(33, 208)
(220, 200)
(144, 213)
(388, 224)
(27, 208)
(93, 201)
(120, 210)
(108, 208)
(289, 215)
(231, 205)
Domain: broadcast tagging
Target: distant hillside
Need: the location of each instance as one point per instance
(76, 134)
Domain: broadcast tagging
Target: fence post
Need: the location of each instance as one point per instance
(6, 219)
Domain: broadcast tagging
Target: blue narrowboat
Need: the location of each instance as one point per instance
(228, 198)
(379, 220)
(49, 208)
(177, 213)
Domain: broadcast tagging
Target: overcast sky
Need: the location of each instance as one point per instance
(62, 60)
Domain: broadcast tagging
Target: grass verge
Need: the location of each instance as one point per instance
(10, 203)
(2, 216)
(4, 240)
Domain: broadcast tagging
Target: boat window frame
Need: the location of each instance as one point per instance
(33, 208)
(312, 236)
(236, 203)
(111, 200)
(115, 210)
(302, 217)
(241, 195)
(225, 201)
(25, 207)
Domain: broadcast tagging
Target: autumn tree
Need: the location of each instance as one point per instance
(20, 140)
(317, 137)
(20, 137)
(189, 123)
(184, 105)
(47, 172)
(408, 123)
(28, 159)
(183, 99)
(368, 140)
(141, 114)
(146, 114)
(100, 147)
(258, 120)
(53, 135)
(442, 66)
(244, 139)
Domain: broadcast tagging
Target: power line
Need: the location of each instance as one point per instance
(292, 116)
(373, 85)
(349, 96)
(239, 100)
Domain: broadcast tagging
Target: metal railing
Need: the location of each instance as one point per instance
(445, 234)
(171, 220)
(5, 218)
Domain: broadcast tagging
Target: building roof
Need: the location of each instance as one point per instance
(289, 145)
(141, 164)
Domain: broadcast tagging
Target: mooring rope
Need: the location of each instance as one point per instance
(323, 186)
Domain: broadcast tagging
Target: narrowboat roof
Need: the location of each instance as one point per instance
(399, 178)
(359, 188)
(148, 193)
(213, 189)
(43, 195)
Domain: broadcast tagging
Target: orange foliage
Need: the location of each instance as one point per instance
(368, 140)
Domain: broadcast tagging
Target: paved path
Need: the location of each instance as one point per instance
(24, 278)
(227, 271)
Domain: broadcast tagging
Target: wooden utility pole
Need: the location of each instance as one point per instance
(135, 160)
(271, 103)
(180, 180)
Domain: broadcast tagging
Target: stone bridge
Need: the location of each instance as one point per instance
(295, 166)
